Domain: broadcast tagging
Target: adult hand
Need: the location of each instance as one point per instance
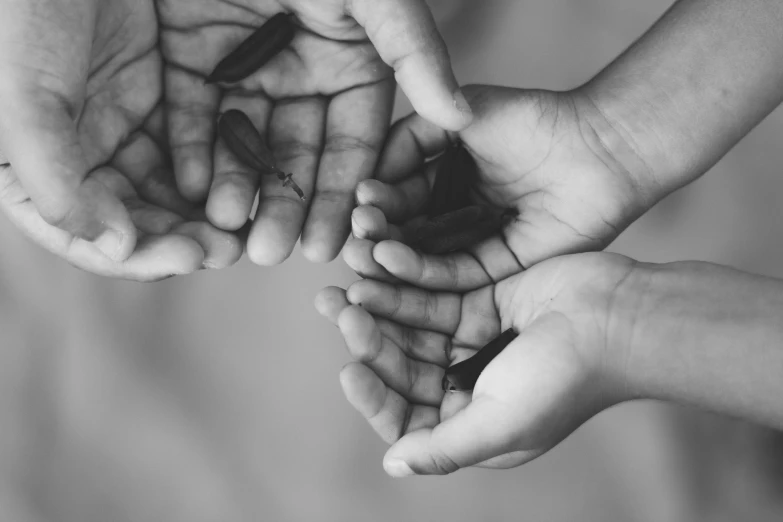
(324, 105)
(88, 177)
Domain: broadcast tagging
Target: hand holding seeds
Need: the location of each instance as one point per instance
(87, 178)
(411, 347)
(525, 164)
(317, 87)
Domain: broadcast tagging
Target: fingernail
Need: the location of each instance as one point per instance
(462, 105)
(396, 257)
(110, 243)
(398, 469)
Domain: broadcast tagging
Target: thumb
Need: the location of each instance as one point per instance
(406, 37)
(40, 139)
(472, 436)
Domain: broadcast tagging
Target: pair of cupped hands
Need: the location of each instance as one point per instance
(110, 135)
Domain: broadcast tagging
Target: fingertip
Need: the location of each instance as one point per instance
(116, 245)
(359, 291)
(398, 259)
(368, 192)
(369, 222)
(330, 301)
(319, 250)
(227, 206)
(397, 468)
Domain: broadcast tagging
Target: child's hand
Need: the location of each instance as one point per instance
(543, 386)
(550, 156)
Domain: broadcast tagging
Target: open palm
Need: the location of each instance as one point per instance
(323, 105)
(83, 133)
(546, 382)
(538, 152)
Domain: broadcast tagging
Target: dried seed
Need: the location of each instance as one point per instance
(454, 180)
(446, 224)
(246, 143)
(252, 54)
(459, 230)
(463, 376)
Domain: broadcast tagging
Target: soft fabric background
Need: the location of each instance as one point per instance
(215, 397)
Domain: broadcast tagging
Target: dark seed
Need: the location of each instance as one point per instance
(246, 143)
(243, 139)
(459, 230)
(455, 177)
(446, 224)
(463, 376)
(252, 54)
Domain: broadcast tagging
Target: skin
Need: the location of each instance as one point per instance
(542, 387)
(323, 104)
(538, 152)
(95, 152)
(80, 95)
(595, 329)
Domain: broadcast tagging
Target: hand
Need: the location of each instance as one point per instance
(324, 105)
(88, 178)
(550, 156)
(543, 386)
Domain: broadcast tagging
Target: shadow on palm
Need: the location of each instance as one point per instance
(94, 139)
(323, 104)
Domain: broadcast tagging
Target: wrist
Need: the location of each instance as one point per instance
(628, 138)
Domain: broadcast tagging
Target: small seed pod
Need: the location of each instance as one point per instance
(252, 54)
(245, 142)
(463, 376)
(459, 230)
(454, 179)
(445, 224)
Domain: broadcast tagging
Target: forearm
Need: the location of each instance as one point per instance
(697, 82)
(705, 335)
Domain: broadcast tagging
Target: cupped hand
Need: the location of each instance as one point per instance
(87, 175)
(552, 378)
(549, 156)
(323, 104)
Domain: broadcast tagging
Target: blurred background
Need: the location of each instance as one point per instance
(215, 397)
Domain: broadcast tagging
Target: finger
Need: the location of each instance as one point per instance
(419, 382)
(389, 414)
(411, 142)
(42, 144)
(330, 302)
(356, 126)
(473, 435)
(191, 113)
(295, 138)
(418, 344)
(408, 305)
(221, 249)
(399, 202)
(235, 185)
(539, 384)
(151, 220)
(405, 34)
(142, 163)
(458, 272)
(357, 254)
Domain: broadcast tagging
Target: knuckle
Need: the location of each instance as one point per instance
(442, 464)
(344, 143)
